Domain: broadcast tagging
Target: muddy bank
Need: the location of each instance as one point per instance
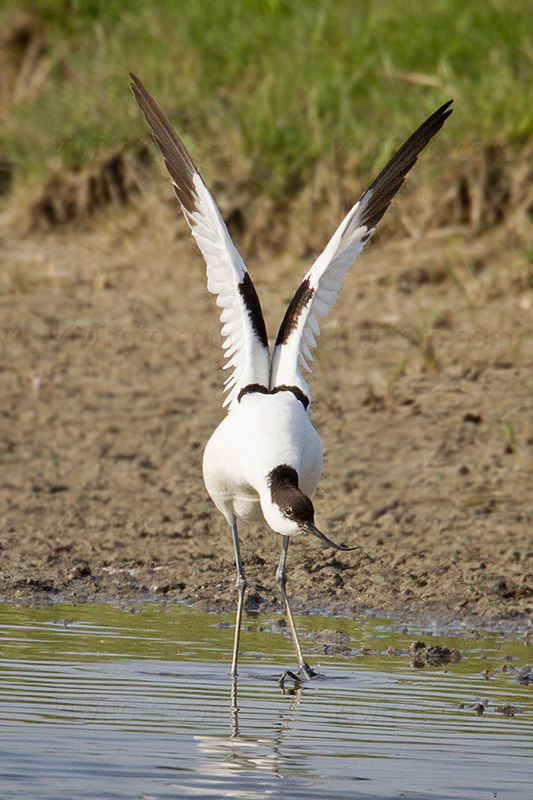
(422, 393)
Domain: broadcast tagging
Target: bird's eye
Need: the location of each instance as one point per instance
(288, 511)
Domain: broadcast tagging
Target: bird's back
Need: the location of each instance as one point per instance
(261, 433)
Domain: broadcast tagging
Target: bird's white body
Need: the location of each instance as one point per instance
(265, 458)
(261, 432)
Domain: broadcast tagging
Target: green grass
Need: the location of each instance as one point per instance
(266, 89)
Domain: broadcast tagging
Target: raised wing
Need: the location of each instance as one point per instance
(244, 332)
(318, 290)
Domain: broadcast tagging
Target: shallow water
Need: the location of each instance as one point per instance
(98, 702)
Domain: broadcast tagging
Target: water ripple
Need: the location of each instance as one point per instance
(118, 705)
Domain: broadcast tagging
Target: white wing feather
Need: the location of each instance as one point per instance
(243, 329)
(248, 356)
(324, 279)
(320, 286)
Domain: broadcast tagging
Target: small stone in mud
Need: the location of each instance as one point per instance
(442, 655)
(171, 586)
(147, 463)
(56, 488)
(507, 710)
(525, 676)
(380, 512)
(418, 655)
(475, 419)
(253, 601)
(329, 636)
(435, 655)
(79, 571)
(395, 651)
(337, 650)
(502, 589)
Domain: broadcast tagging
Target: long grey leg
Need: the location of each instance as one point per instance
(281, 580)
(241, 584)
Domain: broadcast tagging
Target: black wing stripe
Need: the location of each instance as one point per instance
(178, 161)
(392, 176)
(304, 295)
(253, 306)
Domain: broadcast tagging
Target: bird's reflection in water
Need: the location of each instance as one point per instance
(266, 753)
(295, 689)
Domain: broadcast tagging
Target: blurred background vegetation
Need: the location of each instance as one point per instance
(263, 89)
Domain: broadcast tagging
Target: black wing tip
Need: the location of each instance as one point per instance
(427, 130)
(178, 160)
(441, 109)
(438, 118)
(420, 138)
(136, 85)
(445, 106)
(390, 179)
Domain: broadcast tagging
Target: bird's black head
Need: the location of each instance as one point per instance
(291, 501)
(292, 511)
